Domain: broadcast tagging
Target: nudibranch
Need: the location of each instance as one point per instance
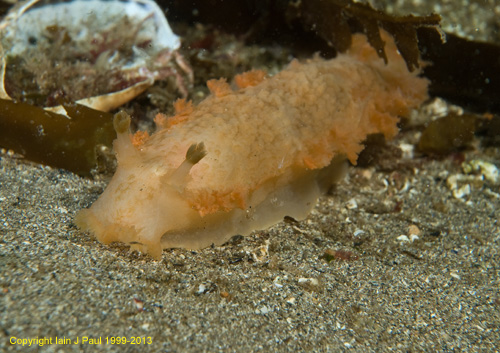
(247, 156)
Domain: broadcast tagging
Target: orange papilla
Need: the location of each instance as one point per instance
(318, 155)
(176, 119)
(160, 121)
(208, 202)
(321, 153)
(384, 114)
(139, 138)
(219, 88)
(183, 107)
(250, 78)
(345, 145)
(488, 116)
(384, 123)
(310, 163)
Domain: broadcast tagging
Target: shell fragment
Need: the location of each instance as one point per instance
(99, 53)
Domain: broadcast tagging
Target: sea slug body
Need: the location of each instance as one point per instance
(244, 158)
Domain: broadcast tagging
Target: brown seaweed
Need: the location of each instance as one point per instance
(53, 139)
(291, 22)
(449, 133)
(462, 71)
(335, 20)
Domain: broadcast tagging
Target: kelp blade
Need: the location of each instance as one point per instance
(53, 139)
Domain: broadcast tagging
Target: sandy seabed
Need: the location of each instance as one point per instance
(273, 290)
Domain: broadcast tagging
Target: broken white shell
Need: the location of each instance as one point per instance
(26, 32)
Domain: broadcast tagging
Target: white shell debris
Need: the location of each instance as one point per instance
(454, 274)
(351, 204)
(486, 169)
(263, 310)
(358, 232)
(91, 34)
(476, 172)
(403, 239)
(309, 281)
(202, 288)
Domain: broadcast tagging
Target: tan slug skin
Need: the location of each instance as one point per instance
(243, 159)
